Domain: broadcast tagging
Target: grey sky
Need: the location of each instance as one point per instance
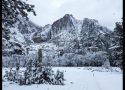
(107, 12)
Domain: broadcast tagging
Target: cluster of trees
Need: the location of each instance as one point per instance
(72, 59)
(117, 47)
(10, 61)
(12, 11)
(35, 73)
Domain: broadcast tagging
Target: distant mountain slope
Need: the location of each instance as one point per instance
(20, 36)
(71, 39)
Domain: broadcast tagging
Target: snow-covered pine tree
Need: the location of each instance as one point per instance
(39, 57)
(59, 78)
(10, 75)
(17, 70)
(117, 48)
(28, 72)
(107, 43)
(11, 10)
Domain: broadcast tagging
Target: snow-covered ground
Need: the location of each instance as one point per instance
(78, 78)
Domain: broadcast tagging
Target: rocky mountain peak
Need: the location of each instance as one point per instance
(88, 21)
(68, 16)
(65, 23)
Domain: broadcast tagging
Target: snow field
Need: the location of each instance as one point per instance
(78, 78)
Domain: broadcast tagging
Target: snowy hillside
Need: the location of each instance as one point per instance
(20, 34)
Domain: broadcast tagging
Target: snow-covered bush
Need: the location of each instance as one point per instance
(43, 75)
(32, 75)
(35, 73)
(59, 78)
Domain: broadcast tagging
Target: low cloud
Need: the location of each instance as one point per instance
(107, 12)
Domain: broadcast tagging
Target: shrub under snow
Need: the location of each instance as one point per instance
(40, 75)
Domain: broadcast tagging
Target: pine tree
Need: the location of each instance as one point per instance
(117, 52)
(11, 11)
(27, 73)
(39, 62)
(59, 78)
(17, 69)
(106, 42)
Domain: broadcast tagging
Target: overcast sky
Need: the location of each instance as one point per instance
(107, 12)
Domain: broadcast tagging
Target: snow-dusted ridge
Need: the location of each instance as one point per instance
(62, 33)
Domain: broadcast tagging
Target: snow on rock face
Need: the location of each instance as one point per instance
(46, 27)
(65, 23)
(92, 27)
(78, 28)
(16, 35)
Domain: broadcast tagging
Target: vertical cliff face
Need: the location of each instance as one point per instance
(65, 23)
(69, 28)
